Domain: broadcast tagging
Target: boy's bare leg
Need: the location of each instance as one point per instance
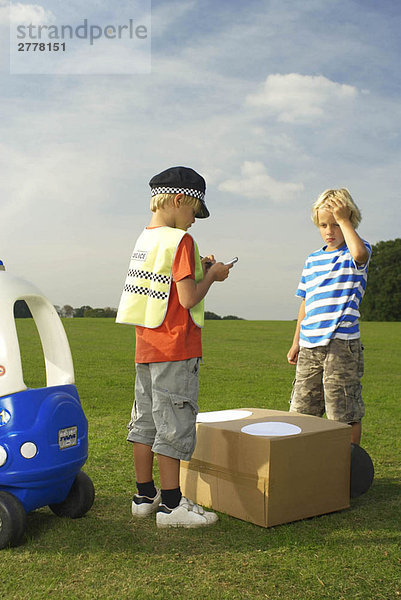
(169, 469)
(356, 433)
(143, 461)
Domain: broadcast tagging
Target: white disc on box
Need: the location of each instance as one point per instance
(271, 428)
(218, 416)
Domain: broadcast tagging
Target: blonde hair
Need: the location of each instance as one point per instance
(342, 194)
(161, 200)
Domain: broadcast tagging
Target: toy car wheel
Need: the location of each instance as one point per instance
(79, 500)
(12, 520)
(362, 471)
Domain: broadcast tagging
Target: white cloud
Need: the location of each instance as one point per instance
(257, 183)
(25, 14)
(301, 98)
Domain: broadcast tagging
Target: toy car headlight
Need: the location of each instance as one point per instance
(29, 450)
(3, 456)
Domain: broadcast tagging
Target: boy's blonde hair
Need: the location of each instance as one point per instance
(342, 194)
(161, 200)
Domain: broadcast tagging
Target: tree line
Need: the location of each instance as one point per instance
(211, 316)
(21, 311)
(382, 301)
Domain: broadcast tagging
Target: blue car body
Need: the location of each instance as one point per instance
(52, 420)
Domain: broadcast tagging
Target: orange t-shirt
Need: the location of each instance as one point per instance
(177, 338)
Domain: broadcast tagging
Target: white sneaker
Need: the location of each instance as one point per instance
(142, 506)
(186, 514)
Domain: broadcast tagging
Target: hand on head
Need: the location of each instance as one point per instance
(338, 208)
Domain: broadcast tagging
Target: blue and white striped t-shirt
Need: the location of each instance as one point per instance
(333, 286)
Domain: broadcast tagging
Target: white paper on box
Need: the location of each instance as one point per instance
(271, 428)
(219, 416)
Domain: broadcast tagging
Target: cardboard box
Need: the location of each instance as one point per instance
(299, 469)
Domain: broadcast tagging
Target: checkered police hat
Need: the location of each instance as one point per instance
(181, 180)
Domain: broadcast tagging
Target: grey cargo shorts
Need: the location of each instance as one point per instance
(165, 407)
(328, 379)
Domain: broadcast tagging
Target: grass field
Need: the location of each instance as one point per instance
(352, 554)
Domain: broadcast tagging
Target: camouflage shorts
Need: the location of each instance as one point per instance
(328, 379)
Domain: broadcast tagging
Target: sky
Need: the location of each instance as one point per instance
(271, 101)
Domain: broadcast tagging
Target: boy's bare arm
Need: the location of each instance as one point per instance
(355, 245)
(293, 352)
(190, 292)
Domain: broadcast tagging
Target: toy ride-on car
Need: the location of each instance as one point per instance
(43, 432)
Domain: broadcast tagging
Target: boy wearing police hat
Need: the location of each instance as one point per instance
(163, 297)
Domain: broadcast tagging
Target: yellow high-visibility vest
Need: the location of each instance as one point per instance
(147, 287)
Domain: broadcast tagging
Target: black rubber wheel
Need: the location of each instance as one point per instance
(79, 500)
(362, 471)
(12, 520)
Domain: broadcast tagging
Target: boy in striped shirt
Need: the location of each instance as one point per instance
(326, 349)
